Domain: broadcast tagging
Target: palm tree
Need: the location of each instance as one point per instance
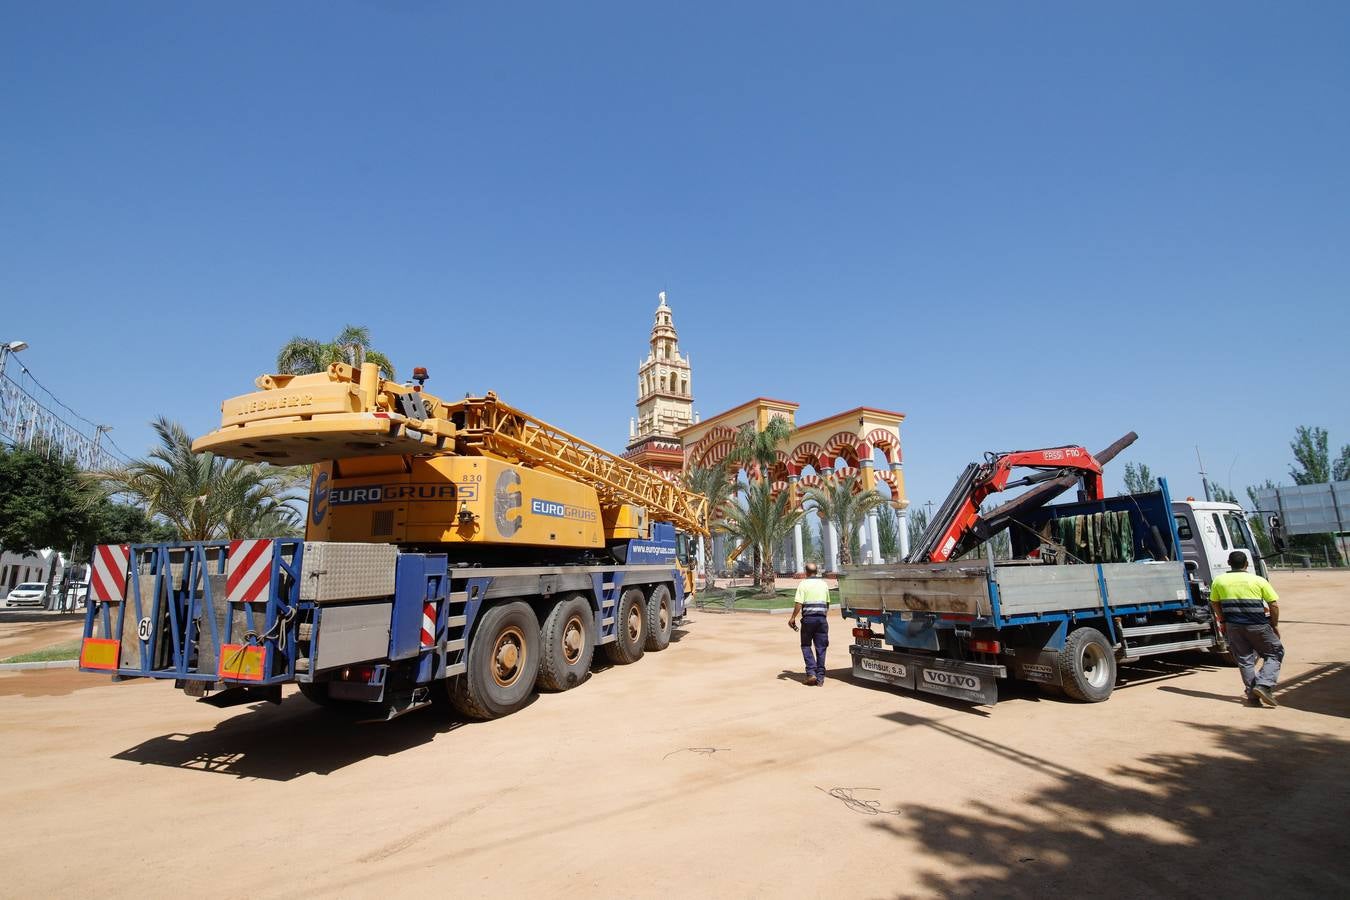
(760, 448)
(714, 484)
(205, 497)
(761, 520)
(757, 451)
(843, 504)
(303, 356)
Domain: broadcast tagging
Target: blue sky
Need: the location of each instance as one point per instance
(1021, 224)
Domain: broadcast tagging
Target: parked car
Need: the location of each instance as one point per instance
(30, 593)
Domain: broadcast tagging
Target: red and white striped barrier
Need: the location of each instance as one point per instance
(248, 570)
(428, 624)
(108, 573)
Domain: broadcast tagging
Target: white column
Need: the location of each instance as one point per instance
(700, 557)
(904, 534)
(875, 535)
(832, 555)
(797, 560)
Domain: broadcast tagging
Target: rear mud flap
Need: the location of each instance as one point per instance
(971, 682)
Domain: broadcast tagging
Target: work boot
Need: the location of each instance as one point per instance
(1264, 695)
(810, 681)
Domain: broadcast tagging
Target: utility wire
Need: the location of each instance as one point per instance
(57, 399)
(122, 454)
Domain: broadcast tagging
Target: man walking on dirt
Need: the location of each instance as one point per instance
(1249, 609)
(812, 603)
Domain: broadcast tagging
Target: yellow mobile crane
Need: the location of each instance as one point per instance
(394, 463)
(462, 547)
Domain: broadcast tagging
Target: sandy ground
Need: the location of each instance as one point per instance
(23, 631)
(1171, 788)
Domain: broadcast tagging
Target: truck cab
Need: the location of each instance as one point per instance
(1208, 532)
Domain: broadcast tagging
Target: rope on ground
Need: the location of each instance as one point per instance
(857, 804)
(705, 751)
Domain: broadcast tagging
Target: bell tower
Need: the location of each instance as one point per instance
(665, 402)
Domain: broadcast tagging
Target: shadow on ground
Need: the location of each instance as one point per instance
(1260, 810)
(297, 738)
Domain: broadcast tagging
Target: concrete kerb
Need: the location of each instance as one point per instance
(50, 664)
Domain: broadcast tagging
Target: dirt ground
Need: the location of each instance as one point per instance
(23, 631)
(706, 770)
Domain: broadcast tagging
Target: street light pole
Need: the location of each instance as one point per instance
(7, 348)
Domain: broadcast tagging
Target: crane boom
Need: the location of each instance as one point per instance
(959, 526)
(504, 431)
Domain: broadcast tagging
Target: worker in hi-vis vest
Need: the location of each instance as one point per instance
(812, 603)
(1249, 609)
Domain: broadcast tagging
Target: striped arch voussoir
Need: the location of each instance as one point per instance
(806, 454)
(886, 441)
(701, 453)
(846, 445)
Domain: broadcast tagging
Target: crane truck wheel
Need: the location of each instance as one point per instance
(567, 643)
(660, 619)
(1087, 666)
(630, 628)
(502, 666)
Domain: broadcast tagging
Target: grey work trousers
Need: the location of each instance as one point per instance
(1247, 642)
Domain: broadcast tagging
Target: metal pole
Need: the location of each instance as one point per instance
(1340, 523)
(1204, 477)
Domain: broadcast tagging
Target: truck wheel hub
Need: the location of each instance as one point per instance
(507, 657)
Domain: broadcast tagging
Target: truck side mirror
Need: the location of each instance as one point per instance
(1278, 539)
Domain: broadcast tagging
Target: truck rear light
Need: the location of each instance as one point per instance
(868, 612)
(862, 633)
(358, 673)
(986, 646)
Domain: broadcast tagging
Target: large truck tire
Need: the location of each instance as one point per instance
(660, 619)
(1087, 666)
(567, 643)
(630, 628)
(503, 663)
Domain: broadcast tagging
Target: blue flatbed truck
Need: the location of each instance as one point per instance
(958, 628)
(372, 628)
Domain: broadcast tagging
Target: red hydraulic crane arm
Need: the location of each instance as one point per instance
(992, 477)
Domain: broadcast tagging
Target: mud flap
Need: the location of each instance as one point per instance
(1039, 666)
(971, 682)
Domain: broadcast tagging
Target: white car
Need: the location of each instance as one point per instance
(30, 593)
